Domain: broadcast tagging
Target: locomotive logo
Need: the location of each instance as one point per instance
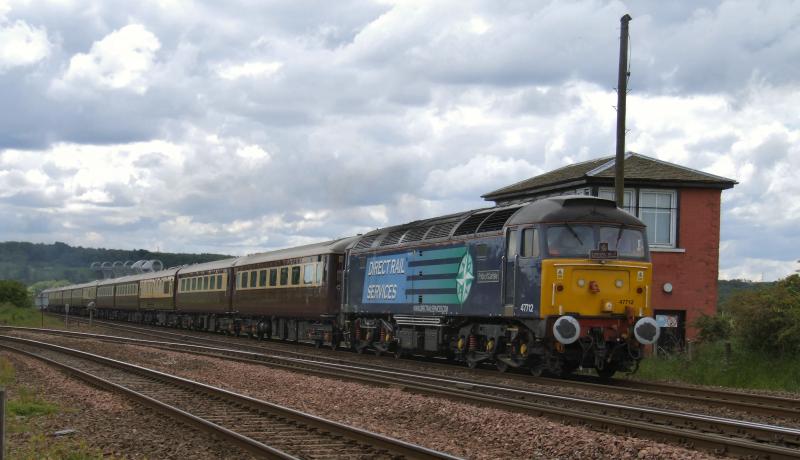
(464, 278)
(441, 276)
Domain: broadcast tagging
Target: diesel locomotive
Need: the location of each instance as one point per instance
(550, 286)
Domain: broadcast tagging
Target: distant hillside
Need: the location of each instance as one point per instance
(32, 262)
(728, 288)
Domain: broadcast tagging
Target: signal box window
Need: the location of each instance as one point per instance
(284, 276)
(295, 275)
(273, 277)
(658, 211)
(530, 242)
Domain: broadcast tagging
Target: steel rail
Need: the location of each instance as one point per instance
(713, 433)
(336, 435)
(749, 403)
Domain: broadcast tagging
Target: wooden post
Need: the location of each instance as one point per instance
(2, 423)
(690, 350)
(622, 92)
(727, 353)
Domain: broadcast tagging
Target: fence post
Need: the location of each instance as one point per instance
(690, 350)
(727, 353)
(2, 423)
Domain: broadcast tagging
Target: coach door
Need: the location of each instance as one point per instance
(510, 272)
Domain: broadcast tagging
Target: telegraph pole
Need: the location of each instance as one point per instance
(622, 90)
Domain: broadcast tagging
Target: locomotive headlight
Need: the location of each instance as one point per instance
(566, 329)
(646, 331)
(581, 282)
(618, 283)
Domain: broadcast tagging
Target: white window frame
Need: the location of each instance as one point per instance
(673, 216)
(633, 197)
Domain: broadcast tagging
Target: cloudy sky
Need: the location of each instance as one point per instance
(241, 126)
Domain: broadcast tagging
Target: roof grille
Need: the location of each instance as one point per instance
(497, 220)
(440, 230)
(415, 234)
(393, 237)
(469, 226)
(366, 242)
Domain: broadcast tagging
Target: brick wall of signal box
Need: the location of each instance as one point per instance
(693, 273)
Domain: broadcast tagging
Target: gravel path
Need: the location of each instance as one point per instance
(457, 428)
(105, 421)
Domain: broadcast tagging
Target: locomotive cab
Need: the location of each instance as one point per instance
(593, 308)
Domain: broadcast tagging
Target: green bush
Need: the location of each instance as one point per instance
(768, 319)
(714, 328)
(15, 293)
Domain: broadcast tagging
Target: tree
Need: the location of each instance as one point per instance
(768, 319)
(15, 293)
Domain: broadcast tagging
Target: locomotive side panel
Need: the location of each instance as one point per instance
(461, 278)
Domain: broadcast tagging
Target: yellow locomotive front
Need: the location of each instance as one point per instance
(595, 296)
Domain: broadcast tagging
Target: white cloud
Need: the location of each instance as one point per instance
(120, 60)
(759, 269)
(251, 69)
(22, 44)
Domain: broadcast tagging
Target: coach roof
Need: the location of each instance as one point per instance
(328, 247)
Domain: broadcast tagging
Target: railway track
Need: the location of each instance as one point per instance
(261, 428)
(716, 434)
(770, 406)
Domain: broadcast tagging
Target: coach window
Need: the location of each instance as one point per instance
(212, 285)
(530, 242)
(262, 278)
(284, 276)
(295, 275)
(273, 277)
(243, 283)
(253, 278)
(219, 283)
(194, 284)
(308, 274)
(205, 283)
(320, 266)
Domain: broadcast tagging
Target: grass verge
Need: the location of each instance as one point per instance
(11, 315)
(27, 416)
(709, 366)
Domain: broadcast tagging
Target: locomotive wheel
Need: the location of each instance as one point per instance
(334, 345)
(398, 353)
(501, 366)
(359, 350)
(606, 372)
(378, 352)
(471, 363)
(537, 370)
